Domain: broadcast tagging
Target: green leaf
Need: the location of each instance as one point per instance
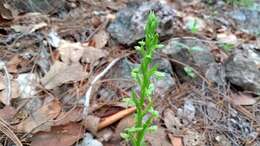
(135, 73)
(159, 46)
(227, 47)
(125, 136)
(129, 101)
(153, 112)
(152, 128)
(152, 71)
(134, 129)
(159, 75)
(189, 71)
(150, 90)
(193, 25)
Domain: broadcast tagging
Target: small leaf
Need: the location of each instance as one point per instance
(159, 75)
(152, 71)
(142, 43)
(129, 101)
(189, 71)
(134, 73)
(150, 89)
(134, 129)
(159, 46)
(153, 112)
(152, 128)
(125, 136)
(243, 99)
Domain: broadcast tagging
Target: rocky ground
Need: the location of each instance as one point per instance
(65, 68)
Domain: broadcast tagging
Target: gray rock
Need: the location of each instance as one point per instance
(89, 141)
(242, 69)
(191, 52)
(129, 24)
(216, 74)
(121, 72)
(43, 6)
(247, 20)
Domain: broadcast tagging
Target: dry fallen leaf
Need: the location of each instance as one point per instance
(60, 73)
(194, 138)
(176, 140)
(16, 63)
(127, 122)
(91, 123)
(73, 52)
(73, 115)
(14, 93)
(243, 99)
(41, 120)
(100, 39)
(59, 136)
(158, 138)
(227, 37)
(7, 113)
(171, 121)
(70, 52)
(27, 84)
(91, 54)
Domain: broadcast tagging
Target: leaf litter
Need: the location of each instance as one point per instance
(55, 55)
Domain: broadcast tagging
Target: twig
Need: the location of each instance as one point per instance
(112, 119)
(88, 93)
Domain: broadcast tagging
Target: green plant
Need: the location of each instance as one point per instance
(226, 47)
(189, 71)
(245, 3)
(193, 25)
(142, 75)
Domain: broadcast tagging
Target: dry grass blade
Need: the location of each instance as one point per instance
(9, 133)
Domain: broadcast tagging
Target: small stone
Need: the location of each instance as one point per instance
(241, 69)
(129, 24)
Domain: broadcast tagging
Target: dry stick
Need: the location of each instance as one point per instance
(88, 93)
(112, 119)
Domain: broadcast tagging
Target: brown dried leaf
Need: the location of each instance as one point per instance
(60, 73)
(176, 140)
(59, 136)
(70, 52)
(7, 113)
(172, 123)
(91, 123)
(91, 54)
(5, 11)
(14, 93)
(243, 99)
(158, 138)
(41, 119)
(16, 63)
(227, 37)
(74, 115)
(100, 39)
(127, 122)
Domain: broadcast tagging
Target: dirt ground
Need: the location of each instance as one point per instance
(65, 70)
